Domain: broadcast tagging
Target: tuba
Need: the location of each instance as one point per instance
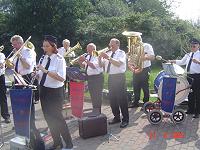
(135, 50)
(9, 61)
(74, 48)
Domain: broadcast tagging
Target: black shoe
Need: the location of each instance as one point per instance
(55, 147)
(36, 102)
(114, 121)
(7, 120)
(196, 116)
(135, 105)
(189, 112)
(123, 124)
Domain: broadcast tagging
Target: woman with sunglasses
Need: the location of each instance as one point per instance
(52, 74)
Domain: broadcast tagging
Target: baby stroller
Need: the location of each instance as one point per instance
(172, 88)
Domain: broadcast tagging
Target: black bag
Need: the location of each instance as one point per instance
(93, 125)
(36, 141)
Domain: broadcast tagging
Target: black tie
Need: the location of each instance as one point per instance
(44, 74)
(189, 63)
(109, 64)
(16, 65)
(87, 64)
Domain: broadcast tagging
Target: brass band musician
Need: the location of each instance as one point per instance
(114, 62)
(94, 76)
(4, 105)
(192, 62)
(52, 74)
(66, 48)
(141, 77)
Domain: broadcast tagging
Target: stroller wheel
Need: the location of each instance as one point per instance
(178, 116)
(148, 106)
(155, 116)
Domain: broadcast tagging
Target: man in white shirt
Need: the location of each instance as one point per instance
(24, 65)
(114, 62)
(141, 78)
(66, 47)
(192, 62)
(94, 76)
(4, 106)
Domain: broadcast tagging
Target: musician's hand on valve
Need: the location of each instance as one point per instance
(105, 55)
(82, 59)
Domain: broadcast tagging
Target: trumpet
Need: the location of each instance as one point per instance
(95, 53)
(1, 48)
(75, 60)
(104, 50)
(9, 61)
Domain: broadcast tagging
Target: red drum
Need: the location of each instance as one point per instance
(77, 98)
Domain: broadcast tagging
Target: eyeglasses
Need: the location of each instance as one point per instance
(193, 46)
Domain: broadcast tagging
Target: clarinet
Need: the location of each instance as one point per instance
(35, 72)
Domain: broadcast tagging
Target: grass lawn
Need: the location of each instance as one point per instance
(153, 75)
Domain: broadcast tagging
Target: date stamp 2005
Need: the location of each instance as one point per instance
(166, 135)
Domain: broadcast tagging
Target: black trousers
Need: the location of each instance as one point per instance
(117, 96)
(141, 81)
(95, 86)
(3, 98)
(51, 102)
(194, 96)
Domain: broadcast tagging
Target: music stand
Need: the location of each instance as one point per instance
(110, 135)
(74, 73)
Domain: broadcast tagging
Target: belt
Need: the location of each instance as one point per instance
(116, 75)
(95, 75)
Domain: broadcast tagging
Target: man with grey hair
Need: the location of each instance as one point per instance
(114, 62)
(24, 64)
(66, 47)
(94, 76)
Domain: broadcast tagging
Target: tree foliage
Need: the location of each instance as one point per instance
(97, 21)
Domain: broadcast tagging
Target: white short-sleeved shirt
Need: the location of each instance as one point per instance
(120, 56)
(97, 70)
(194, 68)
(148, 49)
(30, 57)
(2, 61)
(57, 65)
